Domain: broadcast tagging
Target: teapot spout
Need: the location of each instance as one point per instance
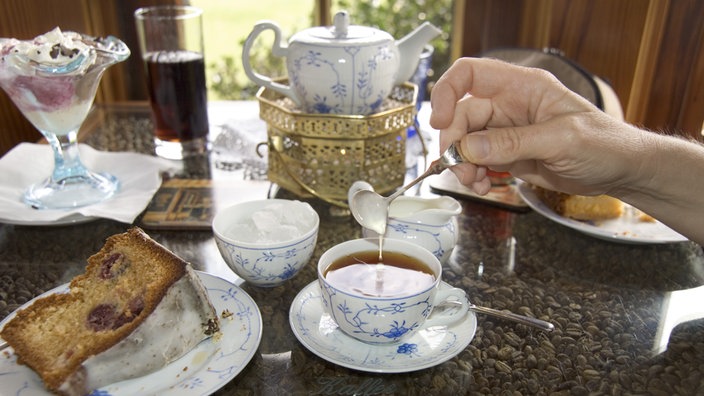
(410, 48)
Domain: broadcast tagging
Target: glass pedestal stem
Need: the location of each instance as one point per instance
(67, 160)
(71, 184)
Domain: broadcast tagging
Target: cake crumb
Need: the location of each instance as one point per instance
(212, 327)
(646, 218)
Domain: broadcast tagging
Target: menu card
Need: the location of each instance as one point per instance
(192, 203)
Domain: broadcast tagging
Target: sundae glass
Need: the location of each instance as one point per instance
(52, 79)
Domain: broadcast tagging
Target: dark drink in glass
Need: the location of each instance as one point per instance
(177, 92)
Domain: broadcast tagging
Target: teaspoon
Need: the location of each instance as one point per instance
(526, 320)
(371, 209)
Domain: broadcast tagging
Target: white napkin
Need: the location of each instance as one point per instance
(29, 163)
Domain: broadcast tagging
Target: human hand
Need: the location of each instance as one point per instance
(524, 121)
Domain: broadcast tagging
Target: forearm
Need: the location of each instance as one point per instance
(668, 184)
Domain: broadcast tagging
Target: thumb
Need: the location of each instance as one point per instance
(503, 146)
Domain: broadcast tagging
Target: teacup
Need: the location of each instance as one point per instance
(390, 314)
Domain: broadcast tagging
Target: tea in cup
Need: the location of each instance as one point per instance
(383, 301)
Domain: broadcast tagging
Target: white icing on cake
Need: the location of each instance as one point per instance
(176, 326)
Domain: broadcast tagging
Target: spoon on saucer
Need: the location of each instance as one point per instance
(526, 320)
(371, 210)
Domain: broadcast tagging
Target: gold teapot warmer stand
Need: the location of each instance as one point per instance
(321, 155)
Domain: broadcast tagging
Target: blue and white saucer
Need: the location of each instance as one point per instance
(426, 348)
(205, 369)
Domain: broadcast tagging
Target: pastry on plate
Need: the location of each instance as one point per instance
(581, 207)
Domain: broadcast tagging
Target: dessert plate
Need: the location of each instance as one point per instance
(426, 348)
(202, 371)
(626, 229)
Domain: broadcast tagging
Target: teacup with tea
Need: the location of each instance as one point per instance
(385, 297)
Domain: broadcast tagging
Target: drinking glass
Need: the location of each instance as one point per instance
(171, 43)
(52, 80)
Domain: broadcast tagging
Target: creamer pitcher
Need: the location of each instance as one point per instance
(428, 222)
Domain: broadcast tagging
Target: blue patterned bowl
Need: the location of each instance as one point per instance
(275, 248)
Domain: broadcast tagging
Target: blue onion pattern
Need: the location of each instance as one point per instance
(363, 95)
(362, 319)
(262, 266)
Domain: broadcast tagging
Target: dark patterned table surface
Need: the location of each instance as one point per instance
(627, 316)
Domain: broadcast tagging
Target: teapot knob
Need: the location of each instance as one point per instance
(341, 22)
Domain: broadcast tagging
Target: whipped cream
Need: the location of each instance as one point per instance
(54, 50)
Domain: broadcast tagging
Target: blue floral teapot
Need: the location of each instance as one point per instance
(342, 69)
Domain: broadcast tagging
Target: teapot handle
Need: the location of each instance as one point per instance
(278, 49)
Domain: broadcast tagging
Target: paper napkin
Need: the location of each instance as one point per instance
(29, 163)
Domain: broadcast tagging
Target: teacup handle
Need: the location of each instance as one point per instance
(449, 317)
(278, 49)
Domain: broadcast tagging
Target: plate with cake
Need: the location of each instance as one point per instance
(600, 216)
(139, 321)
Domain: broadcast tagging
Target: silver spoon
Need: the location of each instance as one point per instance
(371, 209)
(526, 320)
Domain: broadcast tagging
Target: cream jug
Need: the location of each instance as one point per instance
(342, 69)
(428, 222)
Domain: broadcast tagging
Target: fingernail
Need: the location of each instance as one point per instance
(476, 147)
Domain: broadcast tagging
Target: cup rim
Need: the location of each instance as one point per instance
(405, 245)
(168, 12)
(260, 203)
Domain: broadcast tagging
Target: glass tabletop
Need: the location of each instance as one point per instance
(627, 317)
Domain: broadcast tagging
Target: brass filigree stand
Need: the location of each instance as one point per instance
(321, 155)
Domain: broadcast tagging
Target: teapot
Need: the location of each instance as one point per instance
(342, 69)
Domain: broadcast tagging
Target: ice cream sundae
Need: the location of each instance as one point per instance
(45, 77)
(52, 79)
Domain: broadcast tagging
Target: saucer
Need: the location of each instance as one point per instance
(205, 369)
(426, 348)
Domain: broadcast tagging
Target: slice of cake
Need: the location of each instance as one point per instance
(581, 207)
(136, 308)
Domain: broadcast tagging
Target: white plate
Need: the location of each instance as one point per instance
(202, 371)
(426, 348)
(626, 229)
(74, 218)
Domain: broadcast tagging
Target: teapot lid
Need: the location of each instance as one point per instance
(342, 33)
